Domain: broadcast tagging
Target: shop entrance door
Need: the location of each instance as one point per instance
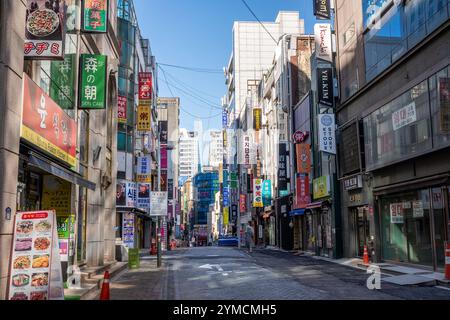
(362, 231)
(439, 220)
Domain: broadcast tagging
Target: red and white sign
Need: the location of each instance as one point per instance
(303, 197)
(300, 136)
(46, 125)
(122, 109)
(145, 88)
(35, 260)
(242, 203)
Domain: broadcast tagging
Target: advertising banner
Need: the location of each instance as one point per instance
(170, 189)
(303, 197)
(257, 121)
(242, 203)
(95, 16)
(144, 118)
(158, 203)
(322, 36)
(128, 229)
(444, 105)
(131, 194)
(121, 193)
(303, 157)
(396, 211)
(144, 169)
(225, 216)
(35, 262)
(163, 180)
(282, 168)
(322, 9)
(134, 258)
(46, 125)
(122, 109)
(325, 86)
(164, 162)
(321, 187)
(56, 195)
(145, 88)
(44, 30)
(224, 119)
(267, 193)
(226, 196)
(257, 193)
(143, 195)
(93, 81)
(327, 137)
(62, 86)
(163, 131)
(404, 116)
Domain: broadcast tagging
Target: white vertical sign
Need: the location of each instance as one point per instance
(322, 35)
(327, 136)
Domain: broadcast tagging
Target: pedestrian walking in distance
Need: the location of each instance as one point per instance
(249, 233)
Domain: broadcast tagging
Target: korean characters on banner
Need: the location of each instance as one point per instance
(143, 195)
(145, 88)
(46, 125)
(35, 261)
(131, 194)
(143, 118)
(257, 121)
(267, 193)
(327, 138)
(243, 203)
(95, 16)
(93, 81)
(282, 169)
(143, 173)
(44, 30)
(224, 118)
(248, 157)
(122, 109)
(303, 197)
(257, 193)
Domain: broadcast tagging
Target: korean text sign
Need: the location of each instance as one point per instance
(145, 88)
(46, 125)
(93, 81)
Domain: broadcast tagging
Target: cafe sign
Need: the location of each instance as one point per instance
(95, 16)
(93, 81)
(46, 125)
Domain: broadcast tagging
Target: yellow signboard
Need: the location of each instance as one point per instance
(144, 118)
(143, 178)
(321, 187)
(56, 195)
(225, 215)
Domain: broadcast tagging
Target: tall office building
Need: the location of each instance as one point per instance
(189, 153)
(215, 148)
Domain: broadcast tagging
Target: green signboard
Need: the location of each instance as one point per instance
(133, 258)
(66, 226)
(92, 81)
(95, 16)
(62, 86)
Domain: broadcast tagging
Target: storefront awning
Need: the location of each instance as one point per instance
(314, 205)
(297, 212)
(59, 171)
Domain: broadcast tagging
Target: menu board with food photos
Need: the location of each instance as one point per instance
(35, 262)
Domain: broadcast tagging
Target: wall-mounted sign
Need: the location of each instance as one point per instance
(321, 187)
(44, 30)
(122, 109)
(327, 136)
(354, 182)
(322, 35)
(62, 86)
(158, 203)
(143, 195)
(325, 86)
(46, 125)
(95, 16)
(300, 136)
(257, 121)
(257, 193)
(144, 169)
(302, 195)
(322, 9)
(35, 261)
(93, 81)
(144, 118)
(396, 211)
(404, 116)
(145, 88)
(303, 157)
(282, 168)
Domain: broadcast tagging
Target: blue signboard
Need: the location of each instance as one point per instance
(224, 119)
(267, 193)
(226, 197)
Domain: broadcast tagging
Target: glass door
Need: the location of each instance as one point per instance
(362, 229)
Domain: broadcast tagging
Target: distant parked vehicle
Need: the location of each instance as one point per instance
(228, 241)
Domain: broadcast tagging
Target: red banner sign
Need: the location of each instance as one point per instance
(242, 204)
(145, 88)
(303, 157)
(303, 197)
(122, 109)
(46, 125)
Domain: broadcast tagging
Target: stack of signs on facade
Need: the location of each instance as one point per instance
(128, 229)
(144, 169)
(35, 262)
(158, 205)
(92, 81)
(257, 193)
(327, 138)
(143, 195)
(95, 16)
(44, 30)
(396, 211)
(122, 109)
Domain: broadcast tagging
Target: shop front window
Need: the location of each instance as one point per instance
(440, 106)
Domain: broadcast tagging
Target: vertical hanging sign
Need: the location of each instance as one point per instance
(257, 193)
(267, 193)
(143, 120)
(93, 81)
(322, 9)
(322, 35)
(62, 86)
(122, 109)
(327, 138)
(144, 169)
(145, 88)
(95, 16)
(257, 113)
(282, 169)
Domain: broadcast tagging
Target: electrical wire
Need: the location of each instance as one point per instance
(251, 11)
(202, 70)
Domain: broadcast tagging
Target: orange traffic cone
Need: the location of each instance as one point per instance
(366, 256)
(104, 295)
(447, 262)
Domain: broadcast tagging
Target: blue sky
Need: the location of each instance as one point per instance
(197, 33)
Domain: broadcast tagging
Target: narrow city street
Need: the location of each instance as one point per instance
(218, 273)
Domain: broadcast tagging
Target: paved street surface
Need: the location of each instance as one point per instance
(205, 273)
